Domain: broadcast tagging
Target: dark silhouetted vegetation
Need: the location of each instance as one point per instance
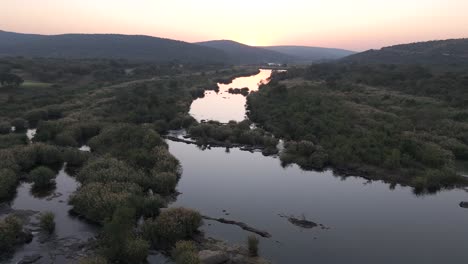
(398, 123)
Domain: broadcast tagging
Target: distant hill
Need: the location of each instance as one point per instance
(451, 51)
(307, 54)
(131, 47)
(239, 53)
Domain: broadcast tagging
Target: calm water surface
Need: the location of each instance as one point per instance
(369, 222)
(223, 106)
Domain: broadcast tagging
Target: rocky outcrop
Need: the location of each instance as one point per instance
(302, 222)
(213, 257)
(30, 259)
(215, 250)
(464, 204)
(241, 225)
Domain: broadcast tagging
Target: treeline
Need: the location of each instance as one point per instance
(380, 121)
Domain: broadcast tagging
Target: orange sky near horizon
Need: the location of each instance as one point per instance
(349, 24)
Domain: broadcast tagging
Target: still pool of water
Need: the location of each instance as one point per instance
(223, 106)
(369, 222)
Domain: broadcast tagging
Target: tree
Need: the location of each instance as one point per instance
(10, 79)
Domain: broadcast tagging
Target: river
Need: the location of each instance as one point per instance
(364, 222)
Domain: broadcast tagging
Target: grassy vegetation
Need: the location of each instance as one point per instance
(233, 133)
(10, 233)
(252, 245)
(47, 222)
(403, 124)
(185, 252)
(120, 114)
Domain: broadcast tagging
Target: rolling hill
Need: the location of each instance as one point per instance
(239, 53)
(131, 47)
(307, 54)
(451, 51)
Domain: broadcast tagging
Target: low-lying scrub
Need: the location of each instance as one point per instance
(171, 225)
(232, 133)
(8, 183)
(42, 178)
(185, 252)
(10, 233)
(97, 201)
(47, 222)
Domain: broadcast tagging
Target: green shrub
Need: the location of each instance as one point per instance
(151, 205)
(119, 242)
(12, 140)
(10, 229)
(163, 183)
(107, 169)
(252, 245)
(8, 183)
(35, 116)
(97, 201)
(47, 222)
(136, 250)
(42, 177)
(164, 161)
(75, 157)
(185, 252)
(66, 140)
(5, 128)
(172, 225)
(8, 159)
(20, 124)
(38, 154)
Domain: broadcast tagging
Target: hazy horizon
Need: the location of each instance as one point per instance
(360, 25)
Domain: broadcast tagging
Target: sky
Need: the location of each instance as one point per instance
(349, 24)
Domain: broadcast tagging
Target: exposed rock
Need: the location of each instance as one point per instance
(30, 259)
(302, 222)
(212, 257)
(464, 204)
(240, 224)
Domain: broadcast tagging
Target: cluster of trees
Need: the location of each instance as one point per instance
(233, 133)
(10, 79)
(378, 120)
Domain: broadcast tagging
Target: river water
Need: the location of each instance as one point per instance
(366, 222)
(223, 106)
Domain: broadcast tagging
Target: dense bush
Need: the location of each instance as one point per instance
(305, 153)
(20, 124)
(119, 243)
(38, 154)
(97, 201)
(107, 169)
(47, 222)
(42, 177)
(74, 157)
(151, 205)
(10, 229)
(8, 183)
(5, 128)
(33, 117)
(163, 183)
(232, 132)
(11, 140)
(185, 252)
(395, 130)
(172, 225)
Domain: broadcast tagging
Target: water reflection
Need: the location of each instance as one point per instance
(223, 106)
(371, 222)
(68, 229)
